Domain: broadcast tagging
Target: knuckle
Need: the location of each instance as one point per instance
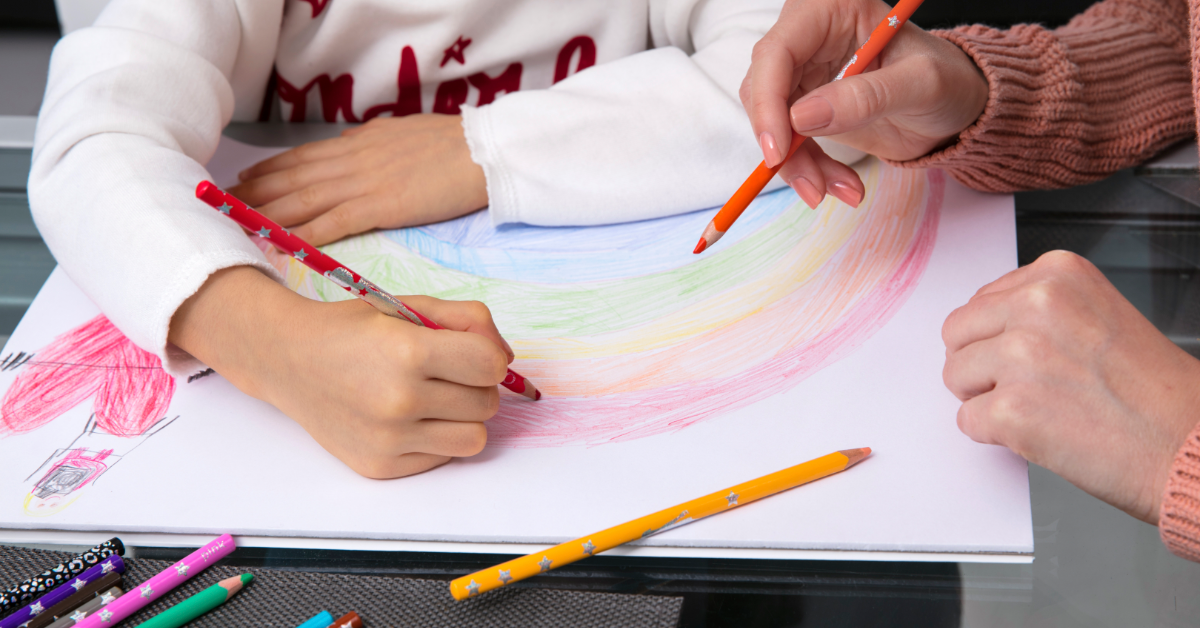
(870, 96)
(478, 311)
(473, 439)
(950, 326)
(966, 421)
(491, 403)
(763, 47)
(309, 196)
(1022, 347)
(341, 219)
(375, 467)
(402, 403)
(293, 177)
(1041, 298)
(1006, 411)
(303, 152)
(1063, 262)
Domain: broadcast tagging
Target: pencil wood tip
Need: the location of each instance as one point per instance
(531, 391)
(700, 247)
(855, 455)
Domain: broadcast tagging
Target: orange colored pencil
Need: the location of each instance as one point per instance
(720, 501)
(762, 174)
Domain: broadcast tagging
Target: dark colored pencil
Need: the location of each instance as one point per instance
(24, 592)
(77, 599)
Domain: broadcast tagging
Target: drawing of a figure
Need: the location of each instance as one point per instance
(130, 395)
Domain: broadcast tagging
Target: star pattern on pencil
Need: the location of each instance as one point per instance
(473, 589)
(181, 569)
(36, 608)
(106, 568)
(349, 624)
(589, 548)
(146, 591)
(106, 597)
(78, 615)
(224, 208)
(731, 499)
(894, 22)
(264, 233)
(505, 576)
(545, 563)
(105, 615)
(79, 583)
(300, 255)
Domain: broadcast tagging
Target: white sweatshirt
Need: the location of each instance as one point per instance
(600, 111)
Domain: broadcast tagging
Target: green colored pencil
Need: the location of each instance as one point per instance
(198, 604)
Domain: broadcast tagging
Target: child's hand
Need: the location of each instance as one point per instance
(385, 396)
(919, 94)
(1053, 363)
(388, 173)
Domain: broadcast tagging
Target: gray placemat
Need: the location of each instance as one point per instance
(283, 599)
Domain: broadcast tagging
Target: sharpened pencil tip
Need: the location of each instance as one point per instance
(537, 396)
(700, 247)
(855, 455)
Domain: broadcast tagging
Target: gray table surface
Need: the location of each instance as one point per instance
(1094, 566)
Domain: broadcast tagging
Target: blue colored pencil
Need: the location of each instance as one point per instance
(320, 620)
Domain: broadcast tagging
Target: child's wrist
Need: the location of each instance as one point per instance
(229, 319)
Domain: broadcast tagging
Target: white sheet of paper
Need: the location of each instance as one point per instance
(230, 463)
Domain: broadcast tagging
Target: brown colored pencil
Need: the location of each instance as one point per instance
(349, 620)
(89, 607)
(77, 599)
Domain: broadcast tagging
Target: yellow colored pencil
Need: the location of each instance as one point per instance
(559, 555)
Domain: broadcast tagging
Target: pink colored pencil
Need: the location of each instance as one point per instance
(332, 269)
(138, 597)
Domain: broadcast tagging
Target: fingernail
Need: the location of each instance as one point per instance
(243, 175)
(769, 149)
(508, 349)
(812, 114)
(807, 191)
(845, 193)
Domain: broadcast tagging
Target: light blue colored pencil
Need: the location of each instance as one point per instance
(320, 620)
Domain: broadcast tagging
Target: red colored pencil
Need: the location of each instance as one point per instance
(332, 269)
(758, 179)
(349, 620)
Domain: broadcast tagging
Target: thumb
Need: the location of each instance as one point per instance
(857, 101)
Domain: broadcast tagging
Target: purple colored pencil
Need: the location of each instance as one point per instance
(34, 587)
(64, 591)
(138, 597)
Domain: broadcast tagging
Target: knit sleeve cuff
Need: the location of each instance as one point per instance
(1014, 70)
(1069, 106)
(1179, 515)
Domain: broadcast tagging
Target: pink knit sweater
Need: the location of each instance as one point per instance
(1067, 106)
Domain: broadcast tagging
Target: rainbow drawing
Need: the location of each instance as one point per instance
(629, 334)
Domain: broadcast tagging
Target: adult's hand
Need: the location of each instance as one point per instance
(1052, 362)
(919, 94)
(387, 173)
